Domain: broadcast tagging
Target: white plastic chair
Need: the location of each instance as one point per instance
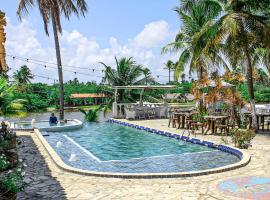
(130, 114)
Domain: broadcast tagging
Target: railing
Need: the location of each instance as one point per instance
(119, 108)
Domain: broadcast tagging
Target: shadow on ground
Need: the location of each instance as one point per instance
(40, 184)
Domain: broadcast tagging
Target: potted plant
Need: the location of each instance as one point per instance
(7, 137)
(242, 138)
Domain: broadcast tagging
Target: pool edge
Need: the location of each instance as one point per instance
(245, 159)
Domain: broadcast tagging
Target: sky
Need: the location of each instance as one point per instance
(130, 28)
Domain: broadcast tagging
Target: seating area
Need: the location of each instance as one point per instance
(216, 122)
(148, 111)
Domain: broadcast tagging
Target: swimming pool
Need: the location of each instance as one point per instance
(113, 148)
(44, 125)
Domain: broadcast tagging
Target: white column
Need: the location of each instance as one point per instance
(114, 105)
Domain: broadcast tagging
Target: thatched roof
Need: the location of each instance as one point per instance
(83, 96)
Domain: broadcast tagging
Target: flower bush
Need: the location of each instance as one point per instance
(13, 182)
(4, 163)
(242, 138)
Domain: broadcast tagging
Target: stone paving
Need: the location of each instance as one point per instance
(194, 188)
(40, 184)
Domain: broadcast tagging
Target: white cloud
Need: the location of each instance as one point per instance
(81, 51)
(152, 35)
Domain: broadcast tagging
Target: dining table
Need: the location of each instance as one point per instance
(211, 121)
(181, 117)
(260, 119)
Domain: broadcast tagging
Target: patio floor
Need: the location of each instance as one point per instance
(197, 188)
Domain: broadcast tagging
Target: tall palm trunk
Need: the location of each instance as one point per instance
(201, 107)
(250, 87)
(169, 75)
(59, 65)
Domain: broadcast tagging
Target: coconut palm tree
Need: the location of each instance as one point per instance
(23, 75)
(51, 11)
(127, 72)
(196, 18)
(241, 28)
(170, 66)
(147, 74)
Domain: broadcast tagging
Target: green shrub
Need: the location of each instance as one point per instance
(3, 162)
(92, 114)
(242, 138)
(13, 182)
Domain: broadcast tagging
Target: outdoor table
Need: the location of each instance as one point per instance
(211, 120)
(181, 118)
(261, 119)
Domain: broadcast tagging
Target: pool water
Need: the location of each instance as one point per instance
(40, 124)
(109, 147)
(114, 142)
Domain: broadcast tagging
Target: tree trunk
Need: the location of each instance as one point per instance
(60, 72)
(201, 106)
(249, 77)
(169, 75)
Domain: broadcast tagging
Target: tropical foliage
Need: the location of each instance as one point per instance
(9, 104)
(23, 75)
(170, 66)
(51, 11)
(242, 138)
(192, 38)
(127, 72)
(217, 32)
(92, 114)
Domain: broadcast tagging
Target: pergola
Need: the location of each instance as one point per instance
(142, 88)
(94, 96)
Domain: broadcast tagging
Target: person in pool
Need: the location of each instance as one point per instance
(53, 119)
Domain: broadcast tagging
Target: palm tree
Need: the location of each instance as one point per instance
(170, 66)
(23, 75)
(240, 29)
(196, 17)
(127, 72)
(147, 74)
(51, 11)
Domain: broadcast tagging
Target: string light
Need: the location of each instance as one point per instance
(49, 63)
(47, 66)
